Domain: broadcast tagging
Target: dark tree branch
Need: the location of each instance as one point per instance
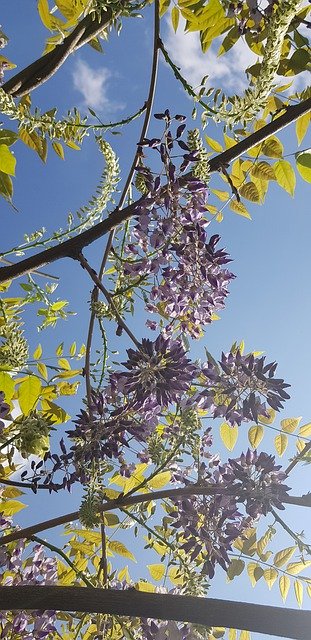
(72, 247)
(274, 621)
(130, 500)
(44, 68)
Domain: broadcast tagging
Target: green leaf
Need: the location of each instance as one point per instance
(157, 571)
(301, 127)
(7, 160)
(160, 480)
(37, 353)
(10, 507)
(280, 443)
(255, 435)
(283, 556)
(270, 575)
(175, 18)
(8, 137)
(303, 164)
(7, 385)
(239, 208)
(250, 192)
(285, 175)
(284, 586)
(6, 186)
(229, 435)
(28, 394)
(263, 170)
(289, 425)
(298, 588)
(59, 150)
(118, 547)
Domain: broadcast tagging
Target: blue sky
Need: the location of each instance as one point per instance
(269, 306)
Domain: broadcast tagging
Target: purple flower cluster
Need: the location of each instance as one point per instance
(241, 387)
(14, 570)
(158, 373)
(169, 245)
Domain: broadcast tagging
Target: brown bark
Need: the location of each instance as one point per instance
(72, 247)
(274, 621)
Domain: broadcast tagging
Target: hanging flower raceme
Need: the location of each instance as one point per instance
(158, 373)
(241, 387)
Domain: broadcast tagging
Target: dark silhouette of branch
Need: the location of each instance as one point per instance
(44, 68)
(273, 621)
(130, 500)
(72, 247)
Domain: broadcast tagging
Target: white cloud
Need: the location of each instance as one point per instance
(93, 85)
(185, 51)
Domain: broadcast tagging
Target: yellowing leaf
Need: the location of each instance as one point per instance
(64, 364)
(229, 142)
(263, 170)
(303, 164)
(250, 192)
(28, 394)
(239, 208)
(280, 443)
(11, 492)
(164, 5)
(37, 353)
(222, 195)
(160, 480)
(270, 575)
(255, 572)
(42, 370)
(175, 575)
(8, 65)
(118, 547)
(7, 385)
(229, 435)
(7, 160)
(55, 412)
(283, 556)
(59, 349)
(269, 419)
(143, 585)
(285, 175)
(298, 587)
(305, 430)
(296, 567)
(284, 585)
(175, 18)
(245, 635)
(58, 148)
(157, 571)
(68, 388)
(73, 349)
(10, 507)
(302, 127)
(232, 634)
(289, 425)
(235, 568)
(44, 13)
(255, 435)
(272, 147)
(213, 144)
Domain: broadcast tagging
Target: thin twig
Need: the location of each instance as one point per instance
(297, 458)
(301, 544)
(61, 553)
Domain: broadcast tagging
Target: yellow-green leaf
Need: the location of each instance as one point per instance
(298, 587)
(283, 556)
(160, 480)
(57, 414)
(157, 571)
(255, 435)
(229, 142)
(28, 394)
(175, 18)
(255, 572)
(229, 435)
(303, 163)
(250, 192)
(222, 195)
(305, 430)
(263, 170)
(64, 364)
(42, 370)
(59, 349)
(73, 349)
(239, 208)
(7, 160)
(143, 585)
(175, 575)
(302, 127)
(7, 64)
(280, 443)
(58, 148)
(272, 147)
(296, 567)
(37, 352)
(10, 507)
(7, 385)
(232, 634)
(289, 425)
(164, 5)
(269, 419)
(118, 547)
(213, 144)
(270, 575)
(44, 13)
(245, 635)
(285, 175)
(284, 585)
(235, 568)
